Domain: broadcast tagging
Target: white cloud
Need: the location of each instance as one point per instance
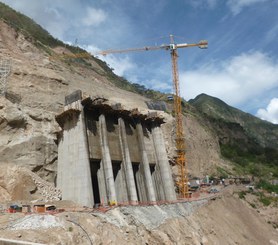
(158, 85)
(236, 81)
(120, 65)
(94, 17)
(270, 113)
(237, 5)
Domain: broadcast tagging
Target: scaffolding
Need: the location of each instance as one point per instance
(5, 69)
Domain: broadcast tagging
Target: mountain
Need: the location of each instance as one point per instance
(220, 141)
(243, 138)
(216, 134)
(38, 84)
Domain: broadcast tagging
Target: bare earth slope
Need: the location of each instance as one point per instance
(35, 94)
(224, 220)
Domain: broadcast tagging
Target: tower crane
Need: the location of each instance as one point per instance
(181, 160)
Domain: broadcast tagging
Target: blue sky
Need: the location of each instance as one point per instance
(240, 66)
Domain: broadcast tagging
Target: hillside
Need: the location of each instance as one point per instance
(36, 90)
(223, 220)
(243, 138)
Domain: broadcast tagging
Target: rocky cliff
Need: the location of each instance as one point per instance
(36, 89)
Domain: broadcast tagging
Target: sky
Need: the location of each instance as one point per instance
(240, 65)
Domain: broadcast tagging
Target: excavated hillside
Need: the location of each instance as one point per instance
(36, 89)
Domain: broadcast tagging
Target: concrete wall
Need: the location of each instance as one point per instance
(103, 158)
(113, 139)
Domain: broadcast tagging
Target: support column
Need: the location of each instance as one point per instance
(106, 159)
(74, 175)
(61, 161)
(164, 167)
(146, 165)
(132, 194)
(102, 184)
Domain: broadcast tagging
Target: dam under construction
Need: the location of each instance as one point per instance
(110, 155)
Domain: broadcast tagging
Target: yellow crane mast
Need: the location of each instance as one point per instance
(180, 140)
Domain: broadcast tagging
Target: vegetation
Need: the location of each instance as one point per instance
(253, 205)
(31, 30)
(266, 200)
(242, 194)
(263, 184)
(222, 173)
(245, 140)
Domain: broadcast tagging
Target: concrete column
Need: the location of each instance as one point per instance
(61, 160)
(106, 159)
(146, 165)
(164, 167)
(74, 175)
(132, 194)
(120, 183)
(156, 177)
(102, 184)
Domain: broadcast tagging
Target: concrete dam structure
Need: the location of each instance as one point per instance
(110, 155)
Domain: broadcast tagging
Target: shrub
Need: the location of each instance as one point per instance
(242, 194)
(267, 186)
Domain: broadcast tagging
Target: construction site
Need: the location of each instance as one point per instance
(110, 155)
(85, 161)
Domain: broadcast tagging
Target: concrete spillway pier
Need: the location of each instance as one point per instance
(110, 155)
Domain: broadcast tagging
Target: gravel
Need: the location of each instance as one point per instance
(36, 221)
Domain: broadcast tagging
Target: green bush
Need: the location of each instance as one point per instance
(223, 173)
(266, 201)
(252, 205)
(242, 194)
(267, 186)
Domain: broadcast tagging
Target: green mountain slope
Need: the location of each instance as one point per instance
(243, 138)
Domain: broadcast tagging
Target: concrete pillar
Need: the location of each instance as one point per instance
(164, 167)
(129, 176)
(106, 159)
(102, 184)
(146, 165)
(156, 177)
(74, 175)
(61, 161)
(120, 183)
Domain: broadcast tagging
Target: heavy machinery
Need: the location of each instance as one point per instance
(181, 160)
